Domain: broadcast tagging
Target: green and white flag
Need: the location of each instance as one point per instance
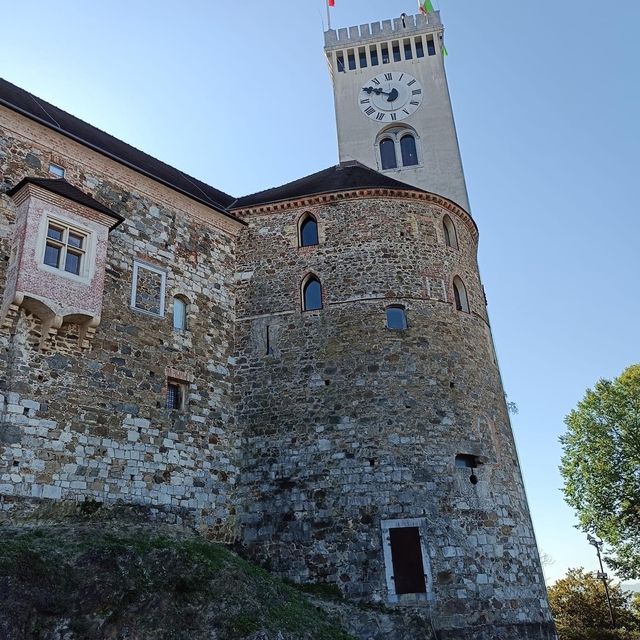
(426, 6)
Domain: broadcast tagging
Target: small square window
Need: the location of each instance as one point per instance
(56, 170)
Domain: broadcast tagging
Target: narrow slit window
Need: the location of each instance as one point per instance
(419, 47)
(311, 294)
(396, 51)
(268, 338)
(408, 53)
(373, 52)
(388, 158)
(351, 57)
(460, 295)
(385, 53)
(409, 151)
(362, 55)
(396, 318)
(431, 46)
(308, 231)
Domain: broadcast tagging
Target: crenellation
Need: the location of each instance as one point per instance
(396, 28)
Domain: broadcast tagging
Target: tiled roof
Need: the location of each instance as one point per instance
(343, 177)
(50, 116)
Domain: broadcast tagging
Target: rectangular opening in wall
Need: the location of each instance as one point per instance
(419, 47)
(148, 289)
(373, 53)
(340, 61)
(408, 53)
(176, 395)
(385, 53)
(406, 554)
(362, 57)
(431, 46)
(351, 58)
(268, 339)
(56, 170)
(395, 45)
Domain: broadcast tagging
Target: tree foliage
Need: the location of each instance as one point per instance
(579, 606)
(601, 467)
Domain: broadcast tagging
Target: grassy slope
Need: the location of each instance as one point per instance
(88, 581)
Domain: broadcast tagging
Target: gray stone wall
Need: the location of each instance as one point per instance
(347, 424)
(91, 423)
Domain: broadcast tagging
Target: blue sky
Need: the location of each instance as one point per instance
(546, 100)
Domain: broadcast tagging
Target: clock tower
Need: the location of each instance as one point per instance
(392, 102)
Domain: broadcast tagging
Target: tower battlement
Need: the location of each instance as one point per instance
(363, 34)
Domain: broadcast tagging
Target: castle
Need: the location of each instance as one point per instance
(308, 370)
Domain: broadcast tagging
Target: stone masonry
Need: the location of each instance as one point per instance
(307, 437)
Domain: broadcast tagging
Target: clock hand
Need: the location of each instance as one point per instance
(393, 95)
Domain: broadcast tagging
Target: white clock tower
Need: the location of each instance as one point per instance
(392, 102)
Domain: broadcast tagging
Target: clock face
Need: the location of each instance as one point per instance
(390, 96)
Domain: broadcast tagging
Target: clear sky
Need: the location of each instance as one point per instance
(547, 104)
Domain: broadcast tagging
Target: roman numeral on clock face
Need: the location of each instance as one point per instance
(416, 92)
(414, 102)
(380, 116)
(411, 83)
(394, 116)
(388, 76)
(365, 101)
(369, 110)
(376, 81)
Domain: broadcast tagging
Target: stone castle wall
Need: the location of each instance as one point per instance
(306, 446)
(91, 423)
(348, 424)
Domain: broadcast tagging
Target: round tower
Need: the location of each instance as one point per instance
(378, 454)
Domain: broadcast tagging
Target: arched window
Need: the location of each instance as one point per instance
(408, 151)
(388, 154)
(460, 294)
(308, 231)
(450, 236)
(311, 294)
(396, 318)
(179, 314)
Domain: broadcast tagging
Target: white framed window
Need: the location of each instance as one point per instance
(65, 248)
(148, 289)
(180, 308)
(56, 170)
(406, 560)
(397, 148)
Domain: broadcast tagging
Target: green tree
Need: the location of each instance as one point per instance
(601, 467)
(580, 609)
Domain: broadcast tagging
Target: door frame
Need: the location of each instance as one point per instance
(421, 525)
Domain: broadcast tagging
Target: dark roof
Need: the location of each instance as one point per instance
(343, 177)
(66, 190)
(36, 109)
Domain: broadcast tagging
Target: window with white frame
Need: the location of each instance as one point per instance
(179, 313)
(65, 248)
(148, 288)
(398, 148)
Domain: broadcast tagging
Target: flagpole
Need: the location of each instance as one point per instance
(328, 16)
